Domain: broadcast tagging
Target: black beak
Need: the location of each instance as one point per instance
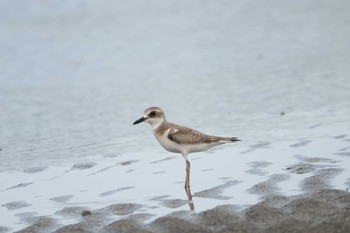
(139, 120)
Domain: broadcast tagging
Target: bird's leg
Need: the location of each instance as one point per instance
(187, 184)
(188, 170)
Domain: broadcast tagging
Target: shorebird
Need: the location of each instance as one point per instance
(180, 139)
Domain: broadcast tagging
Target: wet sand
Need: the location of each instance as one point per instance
(325, 210)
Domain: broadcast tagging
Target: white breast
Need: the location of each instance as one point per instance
(168, 144)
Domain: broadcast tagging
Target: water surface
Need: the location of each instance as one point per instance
(76, 74)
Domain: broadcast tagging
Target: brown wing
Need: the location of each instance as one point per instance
(190, 136)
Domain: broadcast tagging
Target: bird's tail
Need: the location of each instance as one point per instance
(228, 139)
(234, 139)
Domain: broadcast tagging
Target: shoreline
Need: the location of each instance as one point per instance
(325, 210)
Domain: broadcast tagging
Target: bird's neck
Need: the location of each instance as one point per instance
(156, 125)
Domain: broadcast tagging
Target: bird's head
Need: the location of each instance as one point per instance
(153, 115)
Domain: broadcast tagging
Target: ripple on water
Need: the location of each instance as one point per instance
(314, 159)
(256, 146)
(301, 143)
(35, 169)
(302, 168)
(342, 153)
(341, 136)
(62, 199)
(268, 187)
(127, 163)
(16, 205)
(21, 185)
(121, 208)
(344, 148)
(256, 167)
(82, 166)
(215, 192)
(174, 203)
(107, 193)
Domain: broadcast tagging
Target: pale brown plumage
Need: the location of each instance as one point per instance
(184, 135)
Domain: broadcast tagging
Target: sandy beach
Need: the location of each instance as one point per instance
(325, 210)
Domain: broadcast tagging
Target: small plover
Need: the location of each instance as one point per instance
(180, 139)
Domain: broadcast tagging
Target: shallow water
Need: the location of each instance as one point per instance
(75, 75)
(238, 175)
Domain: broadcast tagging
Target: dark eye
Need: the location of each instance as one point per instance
(153, 113)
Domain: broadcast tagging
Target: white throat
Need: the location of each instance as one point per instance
(156, 124)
